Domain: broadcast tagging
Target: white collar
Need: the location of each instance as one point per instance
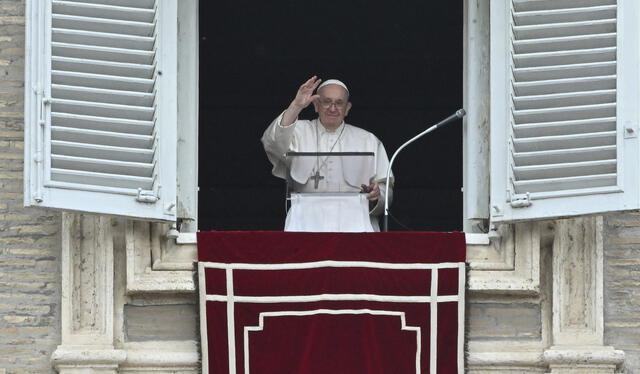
(324, 130)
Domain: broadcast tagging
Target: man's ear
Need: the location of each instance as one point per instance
(347, 108)
(315, 105)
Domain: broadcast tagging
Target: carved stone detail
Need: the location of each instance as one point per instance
(156, 263)
(510, 263)
(577, 293)
(87, 278)
(87, 296)
(578, 322)
(516, 356)
(177, 357)
(497, 253)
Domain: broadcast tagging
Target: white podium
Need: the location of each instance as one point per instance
(327, 212)
(325, 193)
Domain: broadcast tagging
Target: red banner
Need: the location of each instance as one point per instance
(275, 302)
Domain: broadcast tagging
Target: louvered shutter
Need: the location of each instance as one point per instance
(101, 106)
(564, 108)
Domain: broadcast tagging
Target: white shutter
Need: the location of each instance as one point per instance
(100, 111)
(564, 107)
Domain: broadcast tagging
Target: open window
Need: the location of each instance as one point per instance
(112, 108)
(402, 63)
(111, 98)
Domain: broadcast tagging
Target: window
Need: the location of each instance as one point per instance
(402, 63)
(106, 97)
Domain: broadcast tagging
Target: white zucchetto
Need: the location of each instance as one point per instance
(333, 81)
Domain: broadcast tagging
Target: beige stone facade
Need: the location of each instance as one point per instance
(622, 286)
(29, 238)
(84, 293)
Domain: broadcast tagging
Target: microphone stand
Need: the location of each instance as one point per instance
(458, 114)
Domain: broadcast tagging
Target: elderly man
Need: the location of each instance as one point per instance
(327, 133)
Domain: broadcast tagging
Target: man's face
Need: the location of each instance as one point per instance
(332, 105)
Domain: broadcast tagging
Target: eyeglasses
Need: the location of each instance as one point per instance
(327, 103)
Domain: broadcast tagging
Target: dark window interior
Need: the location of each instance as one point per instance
(402, 62)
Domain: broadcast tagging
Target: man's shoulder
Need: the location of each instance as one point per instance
(358, 131)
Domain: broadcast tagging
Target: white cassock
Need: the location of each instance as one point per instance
(326, 213)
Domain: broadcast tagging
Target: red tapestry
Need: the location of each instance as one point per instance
(319, 303)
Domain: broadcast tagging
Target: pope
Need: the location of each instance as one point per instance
(327, 133)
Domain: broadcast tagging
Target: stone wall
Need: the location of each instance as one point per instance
(622, 287)
(29, 238)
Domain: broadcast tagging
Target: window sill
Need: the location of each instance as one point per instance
(509, 263)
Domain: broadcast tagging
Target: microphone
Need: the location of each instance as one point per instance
(458, 114)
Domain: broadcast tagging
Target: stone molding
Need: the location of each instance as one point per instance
(577, 282)
(79, 356)
(509, 263)
(155, 263)
(87, 296)
(510, 361)
(87, 280)
(162, 355)
(596, 355)
(88, 313)
(578, 311)
(167, 357)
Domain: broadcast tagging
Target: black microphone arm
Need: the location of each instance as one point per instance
(458, 114)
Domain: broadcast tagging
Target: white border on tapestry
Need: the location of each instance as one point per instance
(230, 298)
(462, 278)
(433, 324)
(403, 324)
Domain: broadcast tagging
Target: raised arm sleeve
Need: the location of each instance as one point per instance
(278, 140)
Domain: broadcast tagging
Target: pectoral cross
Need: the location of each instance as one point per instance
(316, 179)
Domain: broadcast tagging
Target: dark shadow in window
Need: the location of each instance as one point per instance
(402, 62)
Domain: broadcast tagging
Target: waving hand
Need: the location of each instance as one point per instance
(305, 95)
(303, 98)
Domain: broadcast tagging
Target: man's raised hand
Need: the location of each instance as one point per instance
(305, 95)
(303, 98)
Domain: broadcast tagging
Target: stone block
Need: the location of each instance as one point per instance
(501, 321)
(160, 322)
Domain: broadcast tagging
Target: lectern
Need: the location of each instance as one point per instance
(325, 191)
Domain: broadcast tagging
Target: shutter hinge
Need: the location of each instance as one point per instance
(146, 196)
(520, 201)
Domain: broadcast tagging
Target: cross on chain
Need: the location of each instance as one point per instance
(316, 179)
